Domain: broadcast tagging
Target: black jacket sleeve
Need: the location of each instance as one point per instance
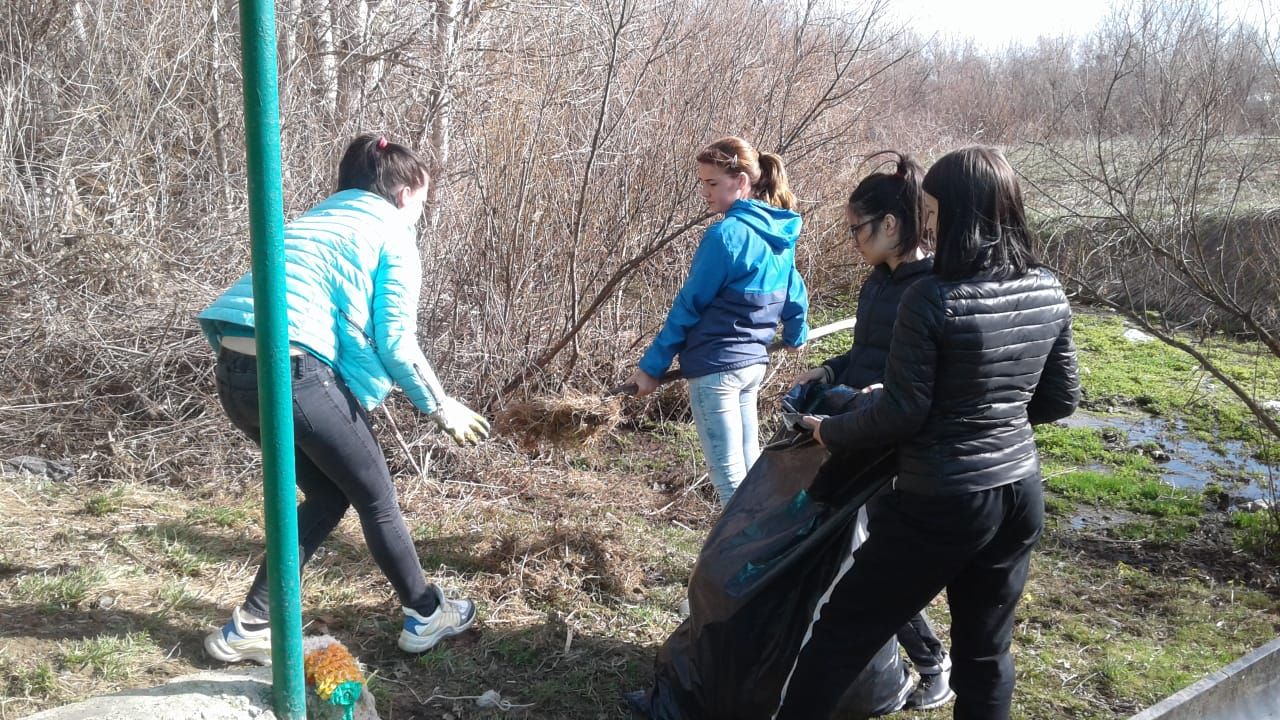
(900, 409)
(837, 365)
(1058, 392)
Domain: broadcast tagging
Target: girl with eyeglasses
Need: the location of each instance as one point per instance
(885, 215)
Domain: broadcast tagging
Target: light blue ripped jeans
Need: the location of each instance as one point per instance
(724, 411)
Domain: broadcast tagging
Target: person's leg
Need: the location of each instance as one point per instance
(931, 662)
(323, 505)
(334, 433)
(921, 643)
(319, 513)
(338, 461)
(916, 637)
(748, 400)
(983, 597)
(875, 596)
(714, 402)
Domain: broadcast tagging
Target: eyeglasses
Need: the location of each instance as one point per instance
(855, 229)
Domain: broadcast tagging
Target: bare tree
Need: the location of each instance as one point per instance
(1164, 210)
(563, 135)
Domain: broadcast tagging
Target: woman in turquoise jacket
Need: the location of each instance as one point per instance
(742, 283)
(352, 281)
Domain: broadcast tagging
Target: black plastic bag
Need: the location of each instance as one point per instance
(763, 569)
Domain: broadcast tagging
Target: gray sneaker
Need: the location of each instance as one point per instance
(934, 688)
(450, 618)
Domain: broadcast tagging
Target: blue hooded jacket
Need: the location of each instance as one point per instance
(742, 282)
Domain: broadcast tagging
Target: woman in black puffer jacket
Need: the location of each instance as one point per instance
(981, 351)
(885, 217)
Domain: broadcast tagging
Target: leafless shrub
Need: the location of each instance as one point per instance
(561, 221)
(1162, 207)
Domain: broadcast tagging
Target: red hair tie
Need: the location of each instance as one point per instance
(382, 142)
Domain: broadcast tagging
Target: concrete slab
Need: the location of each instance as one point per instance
(241, 693)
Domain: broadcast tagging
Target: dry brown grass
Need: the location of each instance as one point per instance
(577, 574)
(570, 419)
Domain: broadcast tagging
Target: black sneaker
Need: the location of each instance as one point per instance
(638, 702)
(934, 688)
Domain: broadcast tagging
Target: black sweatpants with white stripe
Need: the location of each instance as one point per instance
(977, 546)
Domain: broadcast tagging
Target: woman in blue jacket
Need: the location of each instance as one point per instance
(743, 281)
(352, 280)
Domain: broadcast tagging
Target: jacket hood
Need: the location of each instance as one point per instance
(780, 228)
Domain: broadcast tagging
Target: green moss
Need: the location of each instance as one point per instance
(225, 517)
(100, 504)
(1128, 490)
(1164, 380)
(110, 657)
(1257, 532)
(58, 590)
(1094, 636)
(1165, 529)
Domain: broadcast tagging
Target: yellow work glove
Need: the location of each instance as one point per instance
(460, 423)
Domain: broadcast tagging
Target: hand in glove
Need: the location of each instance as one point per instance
(460, 423)
(818, 374)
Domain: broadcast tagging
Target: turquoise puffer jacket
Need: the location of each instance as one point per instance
(352, 280)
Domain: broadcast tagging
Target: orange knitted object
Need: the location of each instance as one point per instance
(329, 667)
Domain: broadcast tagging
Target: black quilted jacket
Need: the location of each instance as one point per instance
(972, 366)
(878, 301)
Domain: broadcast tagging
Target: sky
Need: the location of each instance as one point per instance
(995, 24)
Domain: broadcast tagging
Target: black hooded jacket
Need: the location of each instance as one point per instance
(878, 300)
(973, 364)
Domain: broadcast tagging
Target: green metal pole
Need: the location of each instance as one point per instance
(266, 228)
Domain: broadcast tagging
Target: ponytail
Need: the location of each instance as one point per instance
(772, 187)
(768, 178)
(900, 194)
(374, 164)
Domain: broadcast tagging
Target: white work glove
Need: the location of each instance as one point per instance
(460, 423)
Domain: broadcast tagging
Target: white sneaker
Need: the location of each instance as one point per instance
(450, 618)
(233, 643)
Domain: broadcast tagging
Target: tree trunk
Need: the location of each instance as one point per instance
(323, 15)
(215, 106)
(446, 19)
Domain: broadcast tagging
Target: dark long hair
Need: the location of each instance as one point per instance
(897, 194)
(372, 163)
(982, 225)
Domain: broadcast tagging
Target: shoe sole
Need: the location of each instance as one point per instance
(217, 648)
(412, 643)
(951, 695)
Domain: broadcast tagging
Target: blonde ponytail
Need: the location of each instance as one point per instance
(764, 170)
(772, 187)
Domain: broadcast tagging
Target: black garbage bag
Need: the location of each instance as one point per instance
(769, 560)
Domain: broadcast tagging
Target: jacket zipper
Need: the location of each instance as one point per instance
(359, 329)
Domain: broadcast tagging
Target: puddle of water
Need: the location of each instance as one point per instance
(1192, 463)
